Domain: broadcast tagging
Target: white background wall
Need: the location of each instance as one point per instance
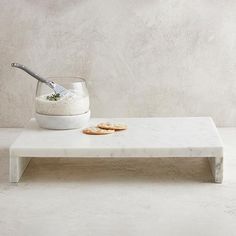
(140, 57)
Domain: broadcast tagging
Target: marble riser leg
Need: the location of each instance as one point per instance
(17, 167)
(216, 165)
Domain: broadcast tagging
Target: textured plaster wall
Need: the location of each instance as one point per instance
(140, 57)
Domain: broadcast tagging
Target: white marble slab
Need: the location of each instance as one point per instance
(145, 137)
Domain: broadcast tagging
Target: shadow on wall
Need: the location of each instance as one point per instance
(140, 58)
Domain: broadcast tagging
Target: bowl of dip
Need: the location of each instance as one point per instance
(70, 111)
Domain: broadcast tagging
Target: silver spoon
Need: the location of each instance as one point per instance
(58, 89)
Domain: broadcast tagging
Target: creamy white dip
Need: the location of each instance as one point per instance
(69, 104)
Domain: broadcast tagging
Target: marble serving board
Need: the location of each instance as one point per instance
(145, 137)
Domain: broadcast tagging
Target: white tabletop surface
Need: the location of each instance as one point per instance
(145, 137)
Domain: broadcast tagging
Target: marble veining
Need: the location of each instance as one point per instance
(145, 137)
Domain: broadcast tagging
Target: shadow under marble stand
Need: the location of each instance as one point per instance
(145, 137)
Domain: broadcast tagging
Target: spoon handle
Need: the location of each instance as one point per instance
(17, 65)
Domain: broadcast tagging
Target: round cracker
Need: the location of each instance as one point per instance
(97, 131)
(110, 126)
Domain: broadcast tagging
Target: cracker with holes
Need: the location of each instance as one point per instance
(97, 131)
(110, 126)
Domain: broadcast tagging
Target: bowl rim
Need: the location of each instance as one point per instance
(62, 116)
(80, 79)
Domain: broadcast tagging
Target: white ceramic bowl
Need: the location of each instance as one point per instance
(63, 122)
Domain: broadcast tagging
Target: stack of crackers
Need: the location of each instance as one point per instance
(104, 128)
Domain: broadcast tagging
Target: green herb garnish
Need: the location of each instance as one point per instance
(53, 97)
